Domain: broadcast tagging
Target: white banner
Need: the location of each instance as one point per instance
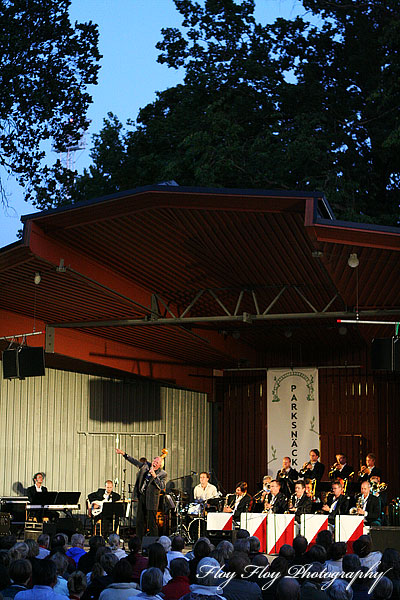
(293, 416)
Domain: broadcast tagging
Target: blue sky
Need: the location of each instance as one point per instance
(129, 75)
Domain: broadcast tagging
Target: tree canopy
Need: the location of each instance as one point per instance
(310, 103)
(46, 65)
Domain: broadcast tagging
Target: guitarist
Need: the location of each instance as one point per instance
(96, 500)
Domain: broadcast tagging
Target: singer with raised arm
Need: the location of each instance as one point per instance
(150, 482)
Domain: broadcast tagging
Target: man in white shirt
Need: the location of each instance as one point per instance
(205, 490)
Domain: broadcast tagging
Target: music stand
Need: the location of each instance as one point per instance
(113, 511)
(67, 498)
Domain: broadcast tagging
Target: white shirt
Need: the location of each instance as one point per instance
(210, 491)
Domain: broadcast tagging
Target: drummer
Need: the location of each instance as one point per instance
(204, 490)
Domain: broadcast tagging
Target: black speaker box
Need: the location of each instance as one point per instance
(385, 537)
(385, 354)
(147, 541)
(31, 362)
(10, 364)
(22, 362)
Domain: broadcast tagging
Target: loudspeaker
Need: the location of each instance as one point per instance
(31, 362)
(22, 362)
(385, 354)
(10, 363)
(5, 519)
(385, 537)
(147, 541)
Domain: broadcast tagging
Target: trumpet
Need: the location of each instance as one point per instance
(377, 488)
(281, 474)
(364, 471)
(334, 467)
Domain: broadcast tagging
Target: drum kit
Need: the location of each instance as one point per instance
(190, 516)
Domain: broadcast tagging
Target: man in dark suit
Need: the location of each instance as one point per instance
(339, 503)
(287, 476)
(301, 503)
(369, 469)
(313, 469)
(342, 470)
(96, 501)
(238, 502)
(370, 505)
(150, 482)
(37, 487)
(276, 501)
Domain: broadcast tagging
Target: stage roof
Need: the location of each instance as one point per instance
(205, 278)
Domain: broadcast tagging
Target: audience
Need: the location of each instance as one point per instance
(179, 585)
(76, 550)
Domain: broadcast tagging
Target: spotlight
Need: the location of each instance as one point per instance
(37, 278)
(353, 261)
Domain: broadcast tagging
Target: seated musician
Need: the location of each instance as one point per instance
(33, 492)
(369, 469)
(379, 489)
(276, 501)
(338, 504)
(204, 490)
(96, 501)
(238, 502)
(313, 469)
(286, 477)
(259, 498)
(310, 491)
(300, 503)
(370, 506)
(340, 469)
(37, 488)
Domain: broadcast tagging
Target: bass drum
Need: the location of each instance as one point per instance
(197, 529)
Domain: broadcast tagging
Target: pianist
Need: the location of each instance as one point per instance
(37, 488)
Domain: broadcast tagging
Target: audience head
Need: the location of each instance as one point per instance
(179, 567)
(165, 542)
(254, 544)
(351, 563)
(157, 556)
(77, 540)
(135, 544)
(96, 541)
(362, 546)
(114, 541)
(33, 548)
(206, 570)
(325, 539)
(242, 545)
(61, 562)
(338, 550)
(152, 581)
(383, 589)
(390, 563)
(77, 583)
(260, 560)
(7, 541)
(45, 573)
(279, 565)
(122, 572)
(44, 540)
(108, 560)
(288, 588)
(238, 563)
(287, 552)
(242, 533)
(317, 553)
(300, 544)
(339, 590)
(201, 549)
(21, 571)
(19, 550)
(178, 543)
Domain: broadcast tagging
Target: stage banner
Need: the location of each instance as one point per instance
(292, 416)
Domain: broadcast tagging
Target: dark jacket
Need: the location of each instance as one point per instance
(31, 491)
(304, 507)
(280, 505)
(373, 508)
(243, 505)
(155, 486)
(341, 508)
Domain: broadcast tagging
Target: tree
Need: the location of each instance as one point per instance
(309, 103)
(46, 65)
